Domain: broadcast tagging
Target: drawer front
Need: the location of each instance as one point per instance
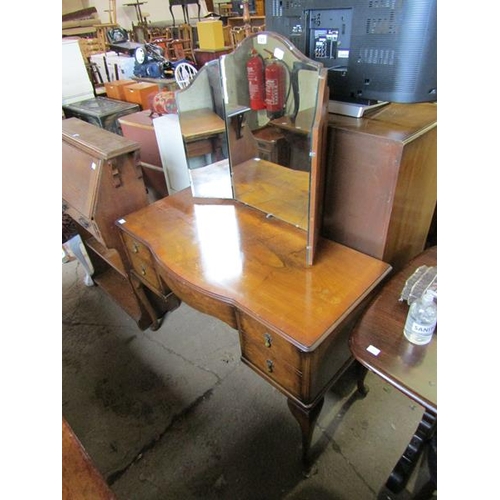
(270, 341)
(198, 148)
(142, 262)
(275, 368)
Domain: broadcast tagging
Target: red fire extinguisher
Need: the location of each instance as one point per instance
(275, 75)
(256, 85)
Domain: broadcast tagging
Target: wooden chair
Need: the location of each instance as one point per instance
(183, 46)
(237, 35)
(89, 47)
(184, 74)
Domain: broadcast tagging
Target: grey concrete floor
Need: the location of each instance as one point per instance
(174, 414)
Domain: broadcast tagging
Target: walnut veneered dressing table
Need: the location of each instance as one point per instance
(256, 263)
(229, 260)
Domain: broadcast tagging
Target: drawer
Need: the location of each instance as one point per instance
(199, 148)
(142, 262)
(270, 341)
(261, 358)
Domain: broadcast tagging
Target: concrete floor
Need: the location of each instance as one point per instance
(174, 414)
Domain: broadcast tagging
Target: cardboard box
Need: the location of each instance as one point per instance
(210, 35)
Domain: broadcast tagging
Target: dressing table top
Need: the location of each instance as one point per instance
(232, 253)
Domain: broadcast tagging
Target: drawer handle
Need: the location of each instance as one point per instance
(65, 207)
(270, 365)
(135, 248)
(143, 271)
(268, 340)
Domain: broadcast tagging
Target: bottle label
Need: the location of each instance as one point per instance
(423, 329)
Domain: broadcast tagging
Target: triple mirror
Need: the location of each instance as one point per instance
(253, 125)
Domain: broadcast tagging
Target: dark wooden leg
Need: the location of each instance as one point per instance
(403, 469)
(306, 417)
(361, 376)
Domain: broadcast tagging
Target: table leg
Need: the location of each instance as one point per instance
(306, 417)
(141, 295)
(361, 376)
(403, 469)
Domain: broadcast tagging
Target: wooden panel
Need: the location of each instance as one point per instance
(80, 478)
(381, 171)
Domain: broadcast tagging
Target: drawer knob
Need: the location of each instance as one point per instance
(143, 271)
(268, 340)
(135, 248)
(270, 365)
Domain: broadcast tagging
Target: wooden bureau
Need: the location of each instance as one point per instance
(101, 181)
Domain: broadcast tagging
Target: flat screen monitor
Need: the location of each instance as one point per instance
(375, 50)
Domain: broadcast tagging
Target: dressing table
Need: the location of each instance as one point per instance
(257, 262)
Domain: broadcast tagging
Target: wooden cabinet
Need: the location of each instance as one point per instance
(101, 112)
(271, 144)
(381, 181)
(101, 182)
(205, 55)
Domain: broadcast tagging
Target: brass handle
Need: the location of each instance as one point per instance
(135, 248)
(270, 365)
(143, 271)
(268, 340)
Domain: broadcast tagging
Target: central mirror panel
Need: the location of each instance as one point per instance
(253, 124)
(271, 93)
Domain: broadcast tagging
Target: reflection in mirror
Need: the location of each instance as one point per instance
(271, 96)
(202, 121)
(253, 124)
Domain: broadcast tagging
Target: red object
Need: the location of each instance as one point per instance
(256, 84)
(275, 75)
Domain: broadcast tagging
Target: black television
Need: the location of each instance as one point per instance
(376, 51)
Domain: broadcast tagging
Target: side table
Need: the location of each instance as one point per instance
(378, 344)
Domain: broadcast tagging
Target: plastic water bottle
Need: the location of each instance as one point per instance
(421, 320)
